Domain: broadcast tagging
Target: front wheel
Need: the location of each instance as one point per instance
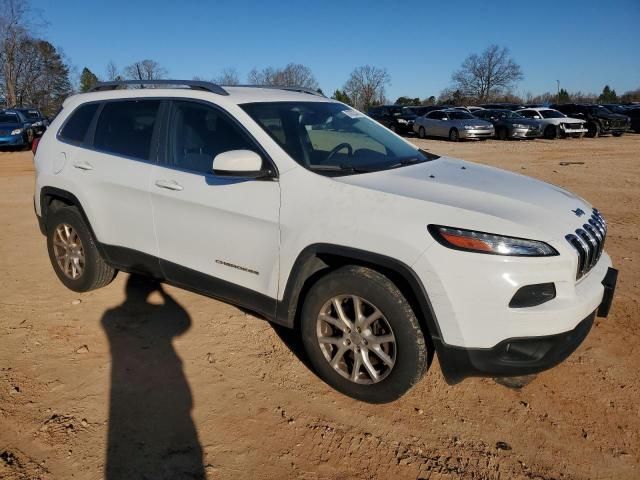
(617, 134)
(421, 132)
(593, 130)
(550, 133)
(454, 135)
(362, 336)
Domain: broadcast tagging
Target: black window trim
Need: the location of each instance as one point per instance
(164, 155)
(88, 142)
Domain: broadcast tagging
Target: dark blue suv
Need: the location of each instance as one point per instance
(15, 129)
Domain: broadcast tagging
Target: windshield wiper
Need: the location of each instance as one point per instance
(339, 168)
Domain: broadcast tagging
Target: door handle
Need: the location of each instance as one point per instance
(83, 165)
(169, 185)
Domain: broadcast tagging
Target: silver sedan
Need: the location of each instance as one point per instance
(452, 124)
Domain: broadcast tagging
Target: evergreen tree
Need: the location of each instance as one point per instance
(87, 80)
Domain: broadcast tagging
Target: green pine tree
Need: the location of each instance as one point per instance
(87, 80)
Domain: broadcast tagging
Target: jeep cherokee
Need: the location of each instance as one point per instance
(316, 217)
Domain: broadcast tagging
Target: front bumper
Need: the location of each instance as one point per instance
(13, 140)
(524, 355)
(477, 133)
(525, 133)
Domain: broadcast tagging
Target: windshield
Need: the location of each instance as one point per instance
(459, 115)
(330, 137)
(552, 114)
(9, 118)
(507, 114)
(599, 110)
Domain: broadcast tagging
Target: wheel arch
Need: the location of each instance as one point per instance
(319, 259)
(52, 198)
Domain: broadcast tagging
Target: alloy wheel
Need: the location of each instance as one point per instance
(68, 251)
(356, 339)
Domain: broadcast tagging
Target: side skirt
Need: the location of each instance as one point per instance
(133, 261)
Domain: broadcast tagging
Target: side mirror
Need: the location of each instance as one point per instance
(239, 163)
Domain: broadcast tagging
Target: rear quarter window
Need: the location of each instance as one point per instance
(126, 127)
(76, 127)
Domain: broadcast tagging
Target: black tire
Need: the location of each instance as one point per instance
(502, 134)
(412, 356)
(96, 273)
(593, 130)
(454, 135)
(421, 132)
(617, 134)
(393, 128)
(551, 132)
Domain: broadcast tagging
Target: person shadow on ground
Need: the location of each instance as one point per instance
(151, 434)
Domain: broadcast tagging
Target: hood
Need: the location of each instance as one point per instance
(482, 196)
(612, 116)
(10, 126)
(523, 121)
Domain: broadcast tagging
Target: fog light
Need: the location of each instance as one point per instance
(532, 295)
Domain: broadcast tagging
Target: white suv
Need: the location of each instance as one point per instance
(309, 213)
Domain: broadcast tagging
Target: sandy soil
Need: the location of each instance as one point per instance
(75, 367)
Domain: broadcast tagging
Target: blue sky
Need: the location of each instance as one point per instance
(584, 44)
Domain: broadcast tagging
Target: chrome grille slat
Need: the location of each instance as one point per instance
(588, 242)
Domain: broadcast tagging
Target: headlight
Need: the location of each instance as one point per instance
(519, 125)
(402, 120)
(481, 242)
(17, 131)
(37, 124)
(469, 127)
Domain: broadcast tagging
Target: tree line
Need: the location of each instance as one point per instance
(34, 73)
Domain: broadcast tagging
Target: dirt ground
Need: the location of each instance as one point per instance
(98, 382)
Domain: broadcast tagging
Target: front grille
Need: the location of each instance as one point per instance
(4, 133)
(588, 242)
(572, 126)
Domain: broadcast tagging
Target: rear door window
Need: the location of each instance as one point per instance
(126, 128)
(76, 127)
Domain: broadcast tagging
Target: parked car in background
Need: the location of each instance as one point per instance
(396, 118)
(420, 110)
(15, 129)
(510, 124)
(599, 120)
(554, 123)
(503, 106)
(453, 124)
(473, 108)
(39, 122)
(634, 115)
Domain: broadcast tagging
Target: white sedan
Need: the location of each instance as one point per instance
(555, 124)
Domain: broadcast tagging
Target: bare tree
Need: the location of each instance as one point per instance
(291, 75)
(13, 32)
(366, 86)
(111, 72)
(229, 76)
(488, 74)
(145, 70)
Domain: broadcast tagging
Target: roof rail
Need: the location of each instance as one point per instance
(310, 91)
(194, 84)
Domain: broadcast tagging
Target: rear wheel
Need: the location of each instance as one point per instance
(454, 135)
(421, 132)
(73, 252)
(361, 335)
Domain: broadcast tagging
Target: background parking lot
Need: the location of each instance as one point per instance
(259, 412)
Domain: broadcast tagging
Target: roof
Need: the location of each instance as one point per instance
(235, 95)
